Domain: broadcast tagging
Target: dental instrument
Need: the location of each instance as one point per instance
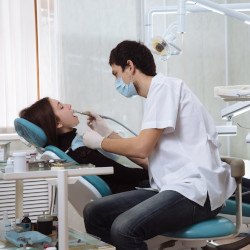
(107, 118)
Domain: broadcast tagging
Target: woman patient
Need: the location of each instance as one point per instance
(58, 120)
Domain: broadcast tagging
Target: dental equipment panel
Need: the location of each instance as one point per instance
(238, 93)
(106, 117)
(233, 92)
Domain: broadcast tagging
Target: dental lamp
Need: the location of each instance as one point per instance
(165, 46)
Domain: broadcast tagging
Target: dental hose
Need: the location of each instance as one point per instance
(107, 118)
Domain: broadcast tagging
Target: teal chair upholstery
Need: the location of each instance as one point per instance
(230, 208)
(201, 235)
(87, 188)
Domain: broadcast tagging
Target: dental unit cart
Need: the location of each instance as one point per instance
(63, 176)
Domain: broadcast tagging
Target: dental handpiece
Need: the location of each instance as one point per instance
(107, 118)
(87, 113)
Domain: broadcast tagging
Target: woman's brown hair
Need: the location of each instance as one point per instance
(41, 114)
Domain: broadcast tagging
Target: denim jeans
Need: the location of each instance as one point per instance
(127, 219)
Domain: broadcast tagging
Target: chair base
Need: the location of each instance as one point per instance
(230, 246)
(206, 245)
(175, 244)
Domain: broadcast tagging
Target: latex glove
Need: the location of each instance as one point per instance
(98, 124)
(92, 139)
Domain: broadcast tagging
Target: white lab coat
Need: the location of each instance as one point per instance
(186, 158)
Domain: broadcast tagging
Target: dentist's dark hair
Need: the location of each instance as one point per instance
(137, 52)
(41, 114)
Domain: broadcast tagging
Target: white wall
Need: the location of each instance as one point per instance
(90, 29)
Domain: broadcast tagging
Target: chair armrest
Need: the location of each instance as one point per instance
(237, 166)
(237, 171)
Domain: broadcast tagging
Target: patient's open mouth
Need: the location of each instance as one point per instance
(74, 114)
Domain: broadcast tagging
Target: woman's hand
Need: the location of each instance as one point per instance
(98, 124)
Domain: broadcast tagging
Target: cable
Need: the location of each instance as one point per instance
(241, 126)
(107, 118)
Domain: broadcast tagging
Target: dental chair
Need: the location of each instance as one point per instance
(202, 235)
(85, 189)
(197, 236)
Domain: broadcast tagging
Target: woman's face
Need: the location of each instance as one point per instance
(67, 119)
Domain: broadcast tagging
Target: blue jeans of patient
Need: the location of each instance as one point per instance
(127, 219)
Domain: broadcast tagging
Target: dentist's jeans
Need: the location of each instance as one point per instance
(126, 219)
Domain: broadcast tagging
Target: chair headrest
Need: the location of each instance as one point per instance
(30, 132)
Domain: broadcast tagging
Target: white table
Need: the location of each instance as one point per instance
(62, 176)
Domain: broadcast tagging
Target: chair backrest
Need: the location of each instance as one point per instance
(87, 187)
(31, 133)
(37, 137)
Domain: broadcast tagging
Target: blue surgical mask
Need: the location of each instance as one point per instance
(127, 90)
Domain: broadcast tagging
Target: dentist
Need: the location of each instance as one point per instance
(189, 183)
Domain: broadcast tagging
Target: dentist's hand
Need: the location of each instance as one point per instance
(92, 139)
(98, 124)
